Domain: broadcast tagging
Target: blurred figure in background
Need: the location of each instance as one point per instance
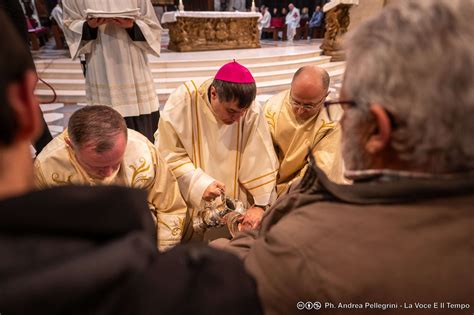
(57, 15)
(292, 21)
(265, 20)
(316, 21)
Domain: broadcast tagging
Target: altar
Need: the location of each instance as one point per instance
(198, 31)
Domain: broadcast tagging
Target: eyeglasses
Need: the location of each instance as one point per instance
(307, 106)
(335, 114)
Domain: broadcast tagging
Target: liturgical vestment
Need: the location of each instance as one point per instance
(200, 149)
(142, 167)
(118, 73)
(292, 139)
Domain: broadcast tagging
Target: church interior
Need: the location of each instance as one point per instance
(274, 64)
(236, 156)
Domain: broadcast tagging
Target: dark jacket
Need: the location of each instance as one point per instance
(390, 239)
(83, 250)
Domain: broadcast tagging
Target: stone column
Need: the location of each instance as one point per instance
(337, 22)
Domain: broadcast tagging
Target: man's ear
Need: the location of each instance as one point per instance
(25, 107)
(380, 138)
(213, 93)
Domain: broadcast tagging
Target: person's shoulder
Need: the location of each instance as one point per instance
(232, 284)
(136, 137)
(192, 86)
(54, 149)
(301, 210)
(275, 102)
(181, 98)
(96, 194)
(255, 110)
(138, 145)
(90, 202)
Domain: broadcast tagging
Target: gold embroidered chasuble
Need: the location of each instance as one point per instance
(142, 168)
(292, 139)
(200, 149)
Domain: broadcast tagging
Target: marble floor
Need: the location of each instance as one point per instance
(48, 51)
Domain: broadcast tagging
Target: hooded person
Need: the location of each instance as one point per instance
(215, 139)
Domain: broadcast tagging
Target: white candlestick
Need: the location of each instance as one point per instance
(181, 6)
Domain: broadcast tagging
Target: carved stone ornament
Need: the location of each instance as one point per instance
(198, 34)
(337, 23)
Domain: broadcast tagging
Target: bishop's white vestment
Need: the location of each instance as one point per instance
(200, 149)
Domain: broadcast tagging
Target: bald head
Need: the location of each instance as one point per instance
(309, 89)
(312, 77)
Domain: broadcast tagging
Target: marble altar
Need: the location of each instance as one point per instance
(198, 31)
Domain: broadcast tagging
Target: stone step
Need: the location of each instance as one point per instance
(174, 82)
(169, 60)
(196, 71)
(265, 87)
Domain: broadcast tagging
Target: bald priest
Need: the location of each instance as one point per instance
(299, 124)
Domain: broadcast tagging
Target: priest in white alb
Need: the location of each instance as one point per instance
(215, 139)
(115, 37)
(299, 123)
(98, 149)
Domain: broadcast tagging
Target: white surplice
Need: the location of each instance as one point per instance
(57, 15)
(200, 149)
(118, 73)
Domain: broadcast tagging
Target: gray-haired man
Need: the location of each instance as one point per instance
(403, 232)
